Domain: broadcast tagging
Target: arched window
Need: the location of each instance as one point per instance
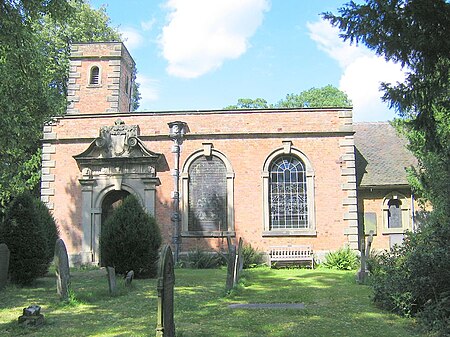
(207, 194)
(396, 213)
(94, 77)
(288, 193)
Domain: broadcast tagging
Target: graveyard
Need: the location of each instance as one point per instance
(333, 305)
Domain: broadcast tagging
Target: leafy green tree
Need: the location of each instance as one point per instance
(35, 44)
(248, 103)
(25, 96)
(325, 97)
(23, 233)
(130, 240)
(415, 33)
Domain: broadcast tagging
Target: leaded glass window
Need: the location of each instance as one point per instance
(207, 199)
(288, 195)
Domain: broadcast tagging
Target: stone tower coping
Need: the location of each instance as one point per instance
(118, 51)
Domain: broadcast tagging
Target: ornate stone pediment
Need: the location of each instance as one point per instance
(118, 150)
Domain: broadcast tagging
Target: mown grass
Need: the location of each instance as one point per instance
(334, 306)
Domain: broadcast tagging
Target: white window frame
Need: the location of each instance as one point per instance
(288, 149)
(405, 211)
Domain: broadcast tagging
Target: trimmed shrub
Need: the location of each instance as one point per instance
(252, 257)
(130, 240)
(50, 230)
(22, 231)
(342, 259)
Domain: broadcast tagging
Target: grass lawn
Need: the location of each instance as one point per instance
(334, 306)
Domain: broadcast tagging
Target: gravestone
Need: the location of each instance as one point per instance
(111, 274)
(62, 270)
(4, 264)
(240, 259)
(129, 278)
(31, 316)
(165, 326)
(231, 265)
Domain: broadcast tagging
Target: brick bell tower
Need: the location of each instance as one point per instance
(101, 78)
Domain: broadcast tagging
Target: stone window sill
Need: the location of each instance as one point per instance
(394, 230)
(298, 232)
(208, 234)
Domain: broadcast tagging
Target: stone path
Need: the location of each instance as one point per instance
(267, 306)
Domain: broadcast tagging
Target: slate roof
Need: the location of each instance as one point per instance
(381, 155)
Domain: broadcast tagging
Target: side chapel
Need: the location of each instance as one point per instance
(271, 176)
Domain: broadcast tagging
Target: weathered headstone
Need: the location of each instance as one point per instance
(165, 326)
(129, 278)
(231, 265)
(4, 264)
(111, 274)
(240, 260)
(31, 316)
(62, 270)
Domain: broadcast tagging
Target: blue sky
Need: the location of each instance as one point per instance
(206, 54)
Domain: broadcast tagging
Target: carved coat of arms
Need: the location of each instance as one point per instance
(118, 140)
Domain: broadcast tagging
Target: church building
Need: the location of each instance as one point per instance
(272, 177)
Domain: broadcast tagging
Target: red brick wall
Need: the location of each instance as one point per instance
(246, 138)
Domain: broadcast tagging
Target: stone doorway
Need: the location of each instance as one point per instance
(114, 165)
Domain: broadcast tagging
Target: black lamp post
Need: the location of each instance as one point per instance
(177, 130)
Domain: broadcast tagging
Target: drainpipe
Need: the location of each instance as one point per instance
(177, 130)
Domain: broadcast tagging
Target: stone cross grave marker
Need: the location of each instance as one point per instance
(62, 270)
(111, 274)
(363, 272)
(4, 264)
(166, 280)
(369, 244)
(231, 264)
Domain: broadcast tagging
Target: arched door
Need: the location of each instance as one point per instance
(111, 201)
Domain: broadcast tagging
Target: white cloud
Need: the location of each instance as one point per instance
(202, 34)
(148, 25)
(132, 38)
(149, 89)
(362, 72)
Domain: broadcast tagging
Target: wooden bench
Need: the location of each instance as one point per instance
(291, 255)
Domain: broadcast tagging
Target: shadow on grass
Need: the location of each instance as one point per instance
(92, 312)
(335, 306)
